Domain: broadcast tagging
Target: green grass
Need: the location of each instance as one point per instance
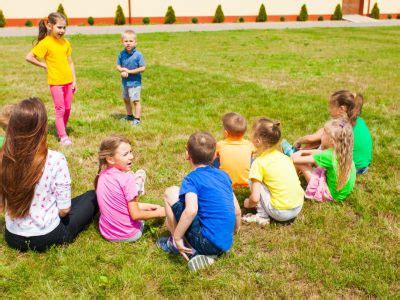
(332, 250)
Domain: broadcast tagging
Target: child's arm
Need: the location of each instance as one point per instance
(72, 66)
(135, 71)
(304, 157)
(189, 213)
(309, 139)
(238, 214)
(143, 211)
(254, 197)
(31, 58)
(123, 71)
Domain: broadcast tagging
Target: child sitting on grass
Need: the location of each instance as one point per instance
(204, 211)
(5, 114)
(118, 191)
(275, 187)
(234, 153)
(335, 175)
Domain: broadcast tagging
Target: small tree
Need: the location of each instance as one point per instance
(375, 13)
(2, 19)
(170, 17)
(119, 16)
(90, 21)
(219, 15)
(195, 20)
(28, 23)
(262, 14)
(241, 20)
(60, 9)
(337, 15)
(303, 14)
(146, 20)
(282, 19)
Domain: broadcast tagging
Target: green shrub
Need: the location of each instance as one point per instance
(320, 18)
(241, 20)
(195, 20)
(90, 21)
(119, 16)
(303, 14)
(262, 14)
(60, 9)
(390, 16)
(282, 19)
(170, 16)
(28, 23)
(219, 15)
(375, 11)
(2, 19)
(337, 14)
(146, 20)
(398, 17)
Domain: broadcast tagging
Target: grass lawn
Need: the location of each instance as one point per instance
(350, 249)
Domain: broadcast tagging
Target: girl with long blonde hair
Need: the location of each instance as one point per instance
(335, 175)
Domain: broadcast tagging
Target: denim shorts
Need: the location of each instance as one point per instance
(193, 235)
(131, 93)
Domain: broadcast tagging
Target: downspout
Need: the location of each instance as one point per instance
(129, 9)
(369, 5)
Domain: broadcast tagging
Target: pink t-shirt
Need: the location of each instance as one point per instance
(114, 190)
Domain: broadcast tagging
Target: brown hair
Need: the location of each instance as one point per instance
(346, 99)
(50, 19)
(234, 123)
(108, 147)
(23, 156)
(340, 132)
(201, 147)
(267, 131)
(359, 101)
(5, 115)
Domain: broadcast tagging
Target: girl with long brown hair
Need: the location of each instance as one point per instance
(335, 175)
(35, 189)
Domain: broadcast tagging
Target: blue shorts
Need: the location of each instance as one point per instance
(362, 170)
(193, 235)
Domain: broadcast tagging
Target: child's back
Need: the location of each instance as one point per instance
(362, 152)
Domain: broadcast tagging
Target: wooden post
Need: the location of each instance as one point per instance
(129, 9)
(369, 5)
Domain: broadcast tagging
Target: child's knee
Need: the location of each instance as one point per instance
(171, 195)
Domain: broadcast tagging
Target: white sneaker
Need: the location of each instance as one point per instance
(201, 262)
(255, 218)
(140, 180)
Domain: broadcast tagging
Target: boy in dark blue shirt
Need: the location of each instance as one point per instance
(130, 63)
(204, 210)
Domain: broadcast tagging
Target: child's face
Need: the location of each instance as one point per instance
(57, 30)
(325, 140)
(122, 159)
(129, 42)
(336, 111)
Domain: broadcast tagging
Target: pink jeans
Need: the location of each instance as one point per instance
(62, 98)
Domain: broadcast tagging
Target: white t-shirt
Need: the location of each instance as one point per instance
(52, 192)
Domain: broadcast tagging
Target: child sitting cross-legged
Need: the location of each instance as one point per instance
(275, 187)
(234, 153)
(203, 211)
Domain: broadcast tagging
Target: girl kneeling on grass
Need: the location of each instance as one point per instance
(335, 175)
(275, 187)
(35, 186)
(118, 190)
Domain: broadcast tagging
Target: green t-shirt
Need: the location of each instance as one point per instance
(2, 138)
(326, 160)
(362, 152)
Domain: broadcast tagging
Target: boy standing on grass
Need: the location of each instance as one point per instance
(203, 211)
(130, 63)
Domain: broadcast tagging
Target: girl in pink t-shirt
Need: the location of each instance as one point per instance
(118, 190)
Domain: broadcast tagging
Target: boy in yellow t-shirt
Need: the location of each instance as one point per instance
(234, 153)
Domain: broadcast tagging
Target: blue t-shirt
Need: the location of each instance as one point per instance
(131, 61)
(216, 209)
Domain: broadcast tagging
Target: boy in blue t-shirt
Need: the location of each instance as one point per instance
(204, 211)
(130, 63)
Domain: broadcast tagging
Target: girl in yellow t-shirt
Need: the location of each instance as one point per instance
(275, 187)
(55, 50)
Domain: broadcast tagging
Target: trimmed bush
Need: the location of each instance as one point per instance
(119, 16)
(390, 16)
(2, 19)
(219, 15)
(241, 20)
(90, 21)
(320, 18)
(398, 17)
(28, 23)
(375, 13)
(337, 14)
(282, 19)
(303, 14)
(195, 20)
(170, 16)
(60, 9)
(262, 14)
(146, 20)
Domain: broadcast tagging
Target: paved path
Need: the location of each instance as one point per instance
(32, 31)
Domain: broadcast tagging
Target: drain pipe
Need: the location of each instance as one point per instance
(129, 9)
(369, 5)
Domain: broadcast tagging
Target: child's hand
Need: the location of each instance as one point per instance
(160, 211)
(183, 250)
(246, 203)
(297, 144)
(124, 74)
(74, 87)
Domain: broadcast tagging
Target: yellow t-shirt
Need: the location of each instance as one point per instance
(55, 52)
(277, 172)
(235, 159)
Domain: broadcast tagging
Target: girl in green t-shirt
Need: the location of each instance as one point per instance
(335, 174)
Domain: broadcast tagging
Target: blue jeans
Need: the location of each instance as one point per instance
(193, 235)
(362, 170)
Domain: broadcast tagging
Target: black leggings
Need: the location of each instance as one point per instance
(83, 209)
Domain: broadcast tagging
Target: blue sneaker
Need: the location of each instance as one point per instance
(287, 148)
(167, 245)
